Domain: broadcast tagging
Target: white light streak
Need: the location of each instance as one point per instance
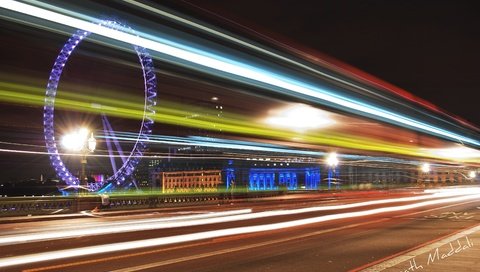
(215, 218)
(459, 152)
(116, 227)
(222, 64)
(454, 191)
(108, 248)
(246, 44)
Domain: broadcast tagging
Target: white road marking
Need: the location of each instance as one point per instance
(407, 256)
(240, 248)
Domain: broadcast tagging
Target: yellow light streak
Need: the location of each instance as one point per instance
(172, 113)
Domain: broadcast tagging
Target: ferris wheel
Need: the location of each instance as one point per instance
(121, 176)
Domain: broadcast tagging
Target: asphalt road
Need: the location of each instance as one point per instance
(226, 238)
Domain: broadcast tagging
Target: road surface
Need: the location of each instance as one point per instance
(310, 232)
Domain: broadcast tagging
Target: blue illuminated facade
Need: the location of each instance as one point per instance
(312, 179)
(261, 179)
(262, 175)
(283, 178)
(288, 179)
(229, 178)
(267, 175)
(333, 178)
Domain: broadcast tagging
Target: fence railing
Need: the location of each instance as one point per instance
(17, 206)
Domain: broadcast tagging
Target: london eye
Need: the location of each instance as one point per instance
(121, 176)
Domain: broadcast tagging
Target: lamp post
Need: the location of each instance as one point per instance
(78, 141)
(425, 167)
(332, 162)
(425, 170)
(472, 174)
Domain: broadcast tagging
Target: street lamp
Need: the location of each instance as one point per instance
(332, 162)
(472, 174)
(425, 168)
(78, 141)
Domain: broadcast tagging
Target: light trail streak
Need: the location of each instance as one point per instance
(206, 157)
(221, 218)
(139, 244)
(220, 143)
(20, 144)
(236, 145)
(172, 113)
(225, 65)
(168, 112)
(368, 79)
(241, 156)
(453, 191)
(112, 227)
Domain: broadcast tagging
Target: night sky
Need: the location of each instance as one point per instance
(429, 48)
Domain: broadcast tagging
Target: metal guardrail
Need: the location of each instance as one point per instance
(17, 206)
(36, 205)
(159, 201)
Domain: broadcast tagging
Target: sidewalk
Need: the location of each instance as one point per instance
(458, 252)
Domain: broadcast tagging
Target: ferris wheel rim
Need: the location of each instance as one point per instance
(120, 177)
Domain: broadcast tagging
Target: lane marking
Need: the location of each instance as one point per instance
(118, 257)
(428, 248)
(240, 248)
(162, 263)
(417, 246)
(434, 209)
(200, 244)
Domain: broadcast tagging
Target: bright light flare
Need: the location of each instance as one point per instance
(332, 160)
(299, 117)
(76, 140)
(472, 174)
(425, 167)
